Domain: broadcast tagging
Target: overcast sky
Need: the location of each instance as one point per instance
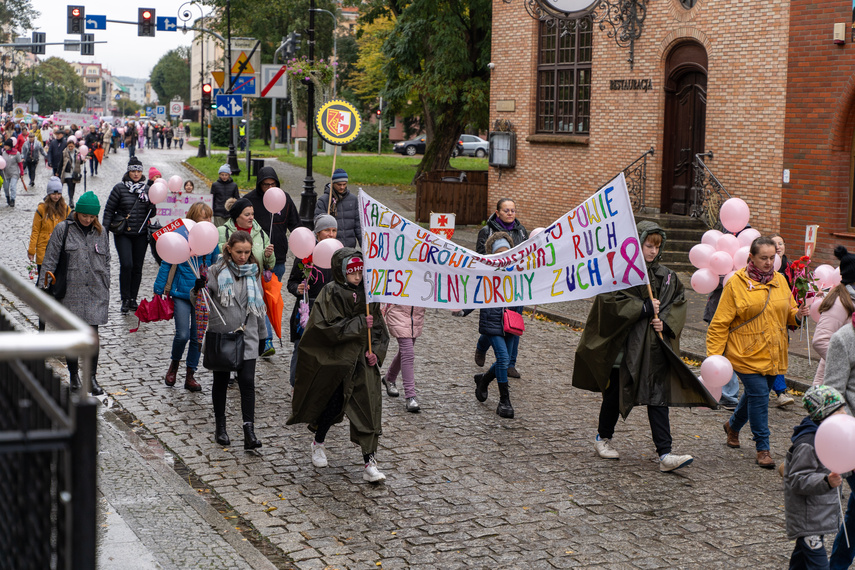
(125, 54)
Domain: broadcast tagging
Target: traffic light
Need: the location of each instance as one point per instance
(76, 15)
(379, 112)
(8, 106)
(206, 95)
(292, 44)
(145, 22)
(87, 44)
(38, 43)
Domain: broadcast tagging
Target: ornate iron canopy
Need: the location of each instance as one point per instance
(623, 20)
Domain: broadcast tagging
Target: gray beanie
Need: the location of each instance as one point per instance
(225, 168)
(54, 185)
(324, 222)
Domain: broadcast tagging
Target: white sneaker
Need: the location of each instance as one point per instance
(782, 401)
(672, 462)
(605, 449)
(371, 473)
(319, 456)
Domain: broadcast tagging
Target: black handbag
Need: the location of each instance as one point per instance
(224, 351)
(119, 227)
(59, 284)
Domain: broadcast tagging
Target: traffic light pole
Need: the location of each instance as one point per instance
(203, 152)
(233, 162)
(308, 198)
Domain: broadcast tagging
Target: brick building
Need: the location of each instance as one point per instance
(760, 84)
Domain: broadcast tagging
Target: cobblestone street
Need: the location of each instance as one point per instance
(465, 488)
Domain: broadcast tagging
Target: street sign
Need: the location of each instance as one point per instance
(148, 112)
(245, 85)
(118, 96)
(167, 23)
(274, 81)
(96, 22)
(71, 45)
(161, 111)
(215, 92)
(176, 108)
(229, 106)
(338, 122)
(218, 77)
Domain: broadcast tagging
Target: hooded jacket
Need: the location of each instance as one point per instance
(760, 346)
(346, 216)
(332, 354)
(618, 333)
(222, 191)
(124, 200)
(518, 233)
(260, 241)
(809, 501)
(288, 219)
(13, 161)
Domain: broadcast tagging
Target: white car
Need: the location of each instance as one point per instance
(473, 146)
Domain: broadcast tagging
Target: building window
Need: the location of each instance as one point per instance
(564, 78)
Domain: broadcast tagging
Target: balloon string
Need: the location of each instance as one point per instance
(842, 515)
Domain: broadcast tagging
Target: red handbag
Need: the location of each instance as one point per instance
(513, 323)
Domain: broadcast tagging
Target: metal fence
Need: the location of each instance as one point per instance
(708, 194)
(47, 440)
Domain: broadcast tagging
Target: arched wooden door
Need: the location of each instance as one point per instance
(685, 124)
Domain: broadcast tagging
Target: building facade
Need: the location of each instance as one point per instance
(707, 76)
(98, 83)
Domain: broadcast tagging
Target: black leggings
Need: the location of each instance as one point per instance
(660, 426)
(246, 383)
(71, 186)
(74, 364)
(131, 249)
(330, 413)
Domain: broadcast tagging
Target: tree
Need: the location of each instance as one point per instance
(171, 75)
(17, 16)
(54, 84)
(369, 77)
(438, 51)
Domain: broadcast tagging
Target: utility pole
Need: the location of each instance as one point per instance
(308, 198)
(233, 162)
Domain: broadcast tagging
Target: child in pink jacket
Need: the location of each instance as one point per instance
(836, 309)
(405, 324)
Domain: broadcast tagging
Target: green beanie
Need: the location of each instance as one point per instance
(88, 204)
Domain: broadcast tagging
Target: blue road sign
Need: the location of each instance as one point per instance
(167, 23)
(229, 106)
(148, 112)
(217, 92)
(245, 85)
(96, 22)
(161, 110)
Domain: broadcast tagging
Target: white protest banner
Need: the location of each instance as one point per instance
(176, 205)
(592, 249)
(80, 119)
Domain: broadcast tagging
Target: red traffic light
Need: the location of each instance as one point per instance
(75, 12)
(379, 112)
(146, 15)
(206, 88)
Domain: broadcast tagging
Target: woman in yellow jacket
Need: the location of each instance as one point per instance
(750, 329)
(49, 213)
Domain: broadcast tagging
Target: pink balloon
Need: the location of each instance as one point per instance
(535, 231)
(83, 150)
(203, 238)
(835, 278)
(121, 130)
(301, 242)
(175, 183)
(721, 263)
(740, 258)
(734, 215)
(711, 237)
(835, 443)
(2, 163)
(78, 133)
(814, 311)
(777, 264)
(727, 277)
(822, 274)
(716, 370)
(173, 248)
(72, 138)
(704, 281)
(274, 200)
(157, 193)
(727, 243)
(746, 237)
(700, 255)
(322, 256)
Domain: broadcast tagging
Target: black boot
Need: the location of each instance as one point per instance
(96, 389)
(249, 439)
(74, 380)
(171, 373)
(220, 432)
(505, 409)
(482, 381)
(133, 305)
(125, 306)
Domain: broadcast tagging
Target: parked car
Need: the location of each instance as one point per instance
(473, 146)
(411, 147)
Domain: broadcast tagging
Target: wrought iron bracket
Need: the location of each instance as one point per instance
(622, 20)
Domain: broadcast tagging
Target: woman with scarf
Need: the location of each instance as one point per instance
(127, 215)
(237, 296)
(750, 329)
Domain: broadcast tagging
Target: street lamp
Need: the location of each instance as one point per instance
(309, 197)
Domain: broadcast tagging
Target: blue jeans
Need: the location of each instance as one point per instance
(753, 408)
(278, 271)
(842, 555)
(730, 391)
(806, 558)
(780, 385)
(10, 187)
(484, 343)
(502, 345)
(185, 330)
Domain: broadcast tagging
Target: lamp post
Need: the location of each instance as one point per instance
(335, 42)
(308, 198)
(233, 162)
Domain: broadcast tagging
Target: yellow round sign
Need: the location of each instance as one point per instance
(338, 122)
